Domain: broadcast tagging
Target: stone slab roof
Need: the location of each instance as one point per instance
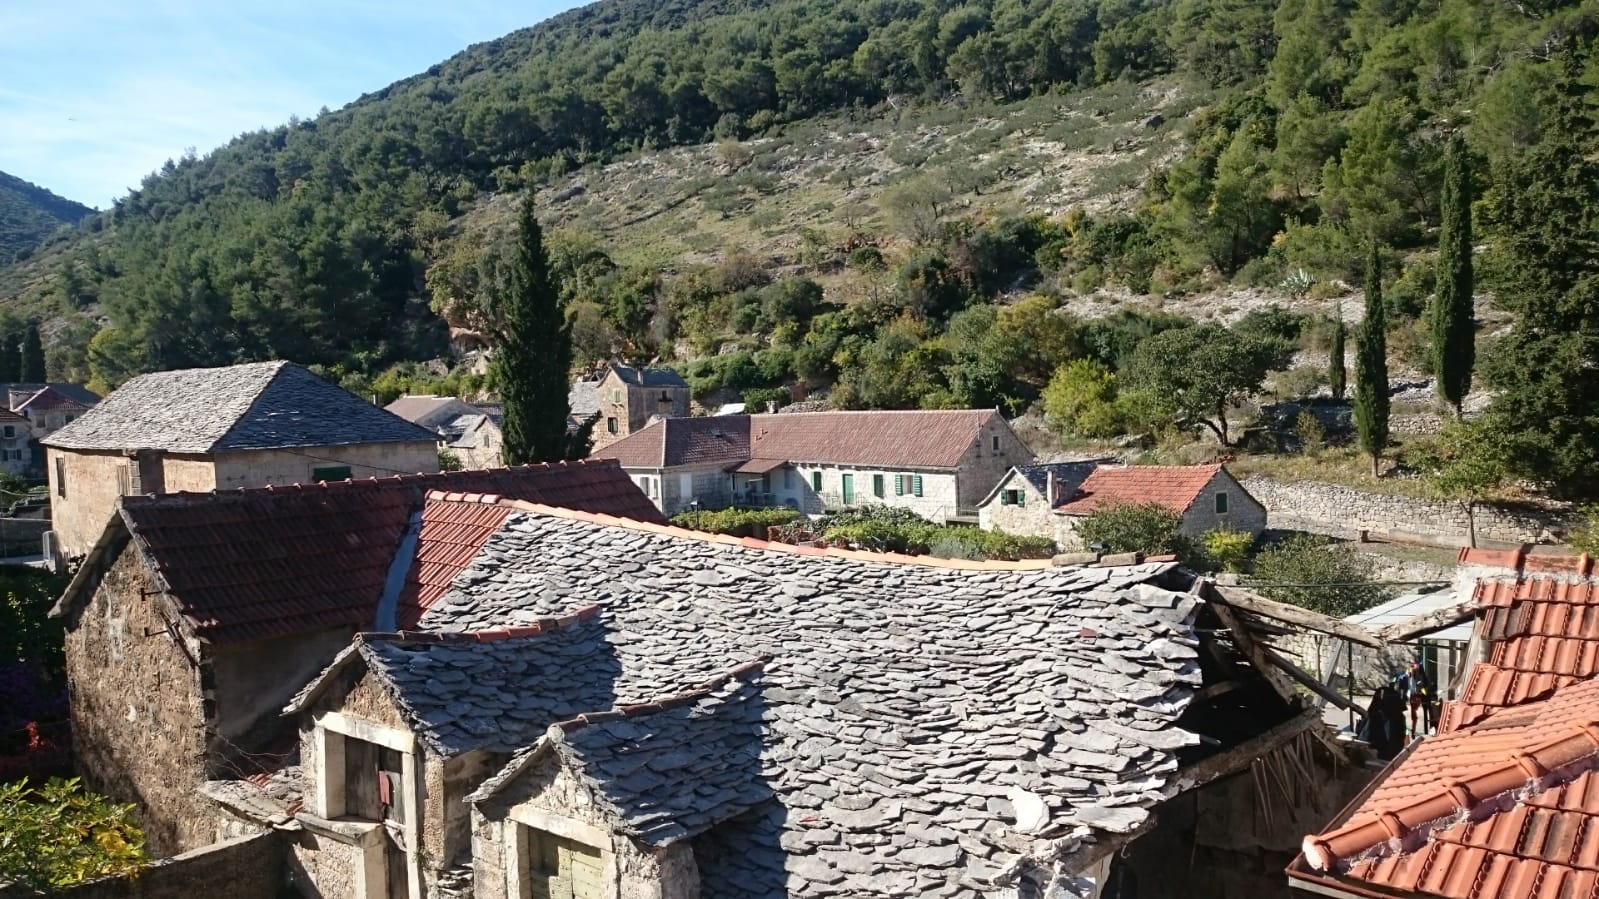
(260, 405)
(930, 723)
(648, 377)
(1173, 486)
(583, 399)
(426, 410)
(59, 393)
(936, 439)
(667, 769)
(257, 563)
(1068, 476)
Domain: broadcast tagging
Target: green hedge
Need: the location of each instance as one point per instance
(900, 531)
(737, 522)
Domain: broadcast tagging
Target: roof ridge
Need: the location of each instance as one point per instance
(745, 672)
(1525, 774)
(1523, 562)
(669, 530)
(488, 635)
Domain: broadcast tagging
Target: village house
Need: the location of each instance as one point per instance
(938, 464)
(31, 413)
(198, 615)
(1050, 500)
(630, 398)
(583, 405)
(16, 444)
(740, 718)
(470, 431)
(1502, 800)
(216, 428)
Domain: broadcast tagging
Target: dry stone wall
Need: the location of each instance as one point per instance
(1340, 511)
(250, 867)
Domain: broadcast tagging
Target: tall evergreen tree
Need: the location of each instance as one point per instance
(1546, 248)
(32, 355)
(533, 356)
(1371, 367)
(1454, 350)
(10, 354)
(1337, 375)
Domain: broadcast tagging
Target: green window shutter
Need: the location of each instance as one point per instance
(916, 484)
(1021, 497)
(1004, 497)
(877, 486)
(331, 473)
(816, 481)
(899, 485)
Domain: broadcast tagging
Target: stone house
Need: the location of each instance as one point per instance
(630, 398)
(472, 431)
(198, 615)
(938, 464)
(741, 718)
(218, 428)
(16, 444)
(1050, 500)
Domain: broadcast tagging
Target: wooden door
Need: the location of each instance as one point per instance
(559, 868)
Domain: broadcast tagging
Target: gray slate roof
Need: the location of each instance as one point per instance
(648, 377)
(706, 743)
(926, 728)
(583, 399)
(260, 405)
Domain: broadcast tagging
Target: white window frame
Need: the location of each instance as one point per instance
(332, 729)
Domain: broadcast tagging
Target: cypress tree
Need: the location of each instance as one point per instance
(1371, 367)
(32, 356)
(10, 354)
(534, 357)
(1337, 375)
(1453, 326)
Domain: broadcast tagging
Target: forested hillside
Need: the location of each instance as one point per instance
(29, 214)
(1300, 132)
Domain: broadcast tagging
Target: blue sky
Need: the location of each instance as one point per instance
(96, 94)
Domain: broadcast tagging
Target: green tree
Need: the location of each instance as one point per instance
(10, 353)
(1545, 209)
(59, 834)
(1081, 399)
(32, 365)
(1337, 374)
(1453, 320)
(1198, 373)
(1465, 463)
(1148, 528)
(1315, 573)
(533, 352)
(1371, 367)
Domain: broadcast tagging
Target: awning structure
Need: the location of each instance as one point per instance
(760, 466)
(1412, 607)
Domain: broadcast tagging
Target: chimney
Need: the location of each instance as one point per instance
(1049, 489)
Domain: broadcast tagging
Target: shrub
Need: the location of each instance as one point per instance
(1312, 436)
(1317, 574)
(1081, 399)
(1148, 528)
(736, 522)
(1227, 550)
(1585, 537)
(60, 834)
(889, 529)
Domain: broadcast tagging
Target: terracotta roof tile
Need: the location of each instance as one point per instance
(887, 439)
(452, 532)
(1172, 486)
(266, 562)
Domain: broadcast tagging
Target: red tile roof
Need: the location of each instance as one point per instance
(48, 399)
(256, 563)
(1173, 486)
(1505, 809)
(884, 439)
(1503, 801)
(452, 533)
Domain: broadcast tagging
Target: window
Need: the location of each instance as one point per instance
(69, 417)
(1013, 497)
(877, 486)
(10, 431)
(788, 479)
(816, 481)
(331, 473)
(899, 485)
(616, 394)
(61, 477)
(993, 443)
(685, 487)
(610, 424)
(916, 485)
(560, 868)
(1221, 503)
(849, 488)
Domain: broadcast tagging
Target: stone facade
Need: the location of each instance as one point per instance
(1032, 516)
(139, 708)
(1340, 511)
(85, 484)
(625, 408)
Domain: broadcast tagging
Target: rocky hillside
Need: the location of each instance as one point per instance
(29, 214)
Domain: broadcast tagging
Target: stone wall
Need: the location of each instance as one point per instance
(1344, 511)
(249, 867)
(138, 712)
(1032, 518)
(1243, 513)
(22, 536)
(84, 487)
(368, 460)
(255, 681)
